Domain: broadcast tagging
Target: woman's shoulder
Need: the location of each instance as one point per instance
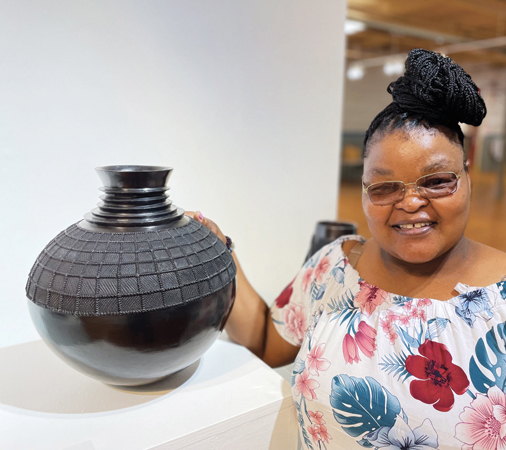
(488, 263)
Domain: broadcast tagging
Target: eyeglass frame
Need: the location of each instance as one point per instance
(365, 188)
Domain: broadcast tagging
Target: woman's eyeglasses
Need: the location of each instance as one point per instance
(430, 186)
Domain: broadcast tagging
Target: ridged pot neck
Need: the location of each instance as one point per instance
(134, 196)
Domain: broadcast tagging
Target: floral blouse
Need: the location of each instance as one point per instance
(384, 371)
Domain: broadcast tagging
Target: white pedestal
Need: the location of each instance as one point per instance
(228, 400)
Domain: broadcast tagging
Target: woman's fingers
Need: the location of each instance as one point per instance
(199, 217)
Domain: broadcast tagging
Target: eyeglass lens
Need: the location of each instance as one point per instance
(430, 186)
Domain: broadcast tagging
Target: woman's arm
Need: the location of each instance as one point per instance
(250, 323)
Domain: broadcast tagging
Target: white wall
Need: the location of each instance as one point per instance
(242, 98)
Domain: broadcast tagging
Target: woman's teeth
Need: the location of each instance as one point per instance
(409, 226)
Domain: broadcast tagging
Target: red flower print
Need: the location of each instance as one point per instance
(483, 423)
(305, 385)
(350, 349)
(369, 297)
(438, 377)
(321, 268)
(316, 417)
(307, 278)
(284, 297)
(295, 321)
(365, 338)
(315, 360)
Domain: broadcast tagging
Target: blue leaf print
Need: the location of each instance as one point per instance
(472, 304)
(400, 300)
(362, 405)
(408, 340)
(338, 273)
(343, 308)
(312, 262)
(364, 443)
(317, 291)
(502, 289)
(395, 365)
(435, 327)
(300, 418)
(496, 341)
(298, 367)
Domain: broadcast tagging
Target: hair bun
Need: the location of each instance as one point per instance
(437, 89)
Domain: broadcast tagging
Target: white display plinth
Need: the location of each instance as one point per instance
(228, 400)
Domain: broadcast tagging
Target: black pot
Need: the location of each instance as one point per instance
(327, 232)
(136, 291)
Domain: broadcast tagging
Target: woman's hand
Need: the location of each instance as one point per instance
(199, 217)
(249, 323)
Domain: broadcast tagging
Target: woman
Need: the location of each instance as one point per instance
(399, 342)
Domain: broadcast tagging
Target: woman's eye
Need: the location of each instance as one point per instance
(384, 188)
(436, 182)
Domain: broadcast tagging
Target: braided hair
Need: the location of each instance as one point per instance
(434, 91)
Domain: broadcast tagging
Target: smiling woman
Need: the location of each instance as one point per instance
(398, 342)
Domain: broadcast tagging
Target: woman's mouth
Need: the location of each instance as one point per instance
(414, 228)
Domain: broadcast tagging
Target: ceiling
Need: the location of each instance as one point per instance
(470, 31)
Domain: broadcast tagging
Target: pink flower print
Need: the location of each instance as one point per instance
(424, 302)
(321, 268)
(316, 417)
(392, 316)
(325, 436)
(305, 385)
(483, 423)
(307, 278)
(404, 319)
(386, 324)
(295, 321)
(422, 315)
(392, 335)
(350, 349)
(369, 297)
(314, 431)
(365, 338)
(408, 305)
(315, 360)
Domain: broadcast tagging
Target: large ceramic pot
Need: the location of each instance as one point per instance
(137, 290)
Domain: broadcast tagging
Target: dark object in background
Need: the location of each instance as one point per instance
(327, 232)
(137, 290)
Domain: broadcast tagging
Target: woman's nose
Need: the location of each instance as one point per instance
(412, 200)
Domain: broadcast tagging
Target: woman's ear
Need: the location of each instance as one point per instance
(466, 169)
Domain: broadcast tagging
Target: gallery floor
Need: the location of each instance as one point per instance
(487, 223)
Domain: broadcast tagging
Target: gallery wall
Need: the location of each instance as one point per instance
(243, 99)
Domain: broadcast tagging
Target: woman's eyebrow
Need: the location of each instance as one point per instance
(380, 171)
(435, 167)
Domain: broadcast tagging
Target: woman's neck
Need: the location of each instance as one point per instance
(433, 279)
(456, 256)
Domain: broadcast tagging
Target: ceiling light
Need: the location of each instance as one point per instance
(353, 26)
(355, 72)
(393, 67)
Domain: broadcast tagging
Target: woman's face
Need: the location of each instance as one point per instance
(406, 156)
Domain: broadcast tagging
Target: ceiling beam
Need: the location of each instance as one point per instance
(405, 30)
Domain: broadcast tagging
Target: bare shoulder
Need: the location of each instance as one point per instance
(490, 262)
(348, 245)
